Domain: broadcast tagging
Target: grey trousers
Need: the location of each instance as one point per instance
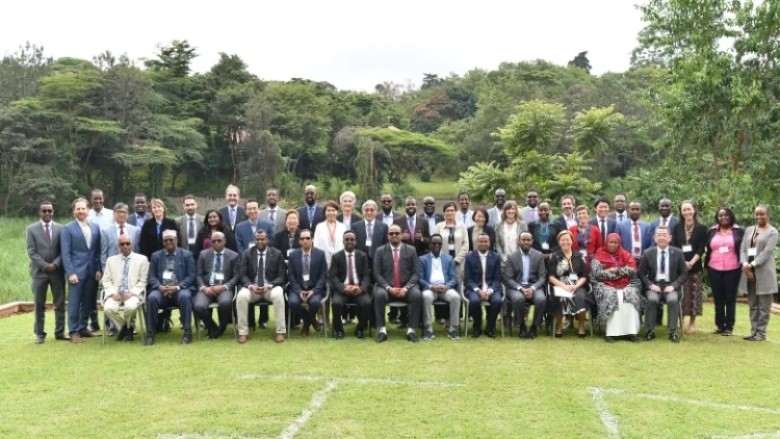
(413, 298)
(518, 303)
(451, 297)
(651, 309)
(40, 286)
(760, 310)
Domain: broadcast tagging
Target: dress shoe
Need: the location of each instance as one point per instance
(749, 337)
(395, 321)
(243, 338)
(727, 333)
(559, 335)
(412, 337)
(280, 337)
(113, 332)
(339, 335)
(359, 333)
(490, 334)
(381, 337)
(650, 335)
(633, 338)
(673, 337)
(122, 334)
(61, 337)
(758, 338)
(129, 336)
(428, 336)
(454, 335)
(264, 325)
(39, 339)
(76, 338)
(94, 328)
(609, 339)
(186, 338)
(476, 333)
(149, 341)
(86, 334)
(523, 332)
(305, 331)
(718, 331)
(532, 332)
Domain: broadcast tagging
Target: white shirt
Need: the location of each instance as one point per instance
(103, 219)
(387, 219)
(465, 218)
(87, 231)
(570, 221)
(665, 275)
(354, 269)
(437, 271)
(618, 215)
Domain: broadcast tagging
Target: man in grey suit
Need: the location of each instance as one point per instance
(43, 248)
(190, 223)
(396, 275)
(663, 272)
(530, 212)
(137, 219)
(109, 236)
(524, 277)
(217, 276)
(494, 213)
(273, 213)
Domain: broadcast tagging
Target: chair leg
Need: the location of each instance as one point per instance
(105, 331)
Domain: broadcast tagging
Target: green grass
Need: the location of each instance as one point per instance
(14, 263)
(497, 388)
(441, 189)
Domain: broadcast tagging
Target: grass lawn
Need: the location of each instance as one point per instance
(14, 263)
(706, 386)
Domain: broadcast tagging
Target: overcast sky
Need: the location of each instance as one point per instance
(351, 44)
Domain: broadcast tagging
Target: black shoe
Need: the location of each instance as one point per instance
(149, 341)
(674, 337)
(633, 338)
(609, 339)
(61, 337)
(186, 338)
(412, 337)
(94, 328)
(339, 335)
(490, 334)
(395, 321)
(264, 325)
(726, 333)
(650, 335)
(381, 337)
(360, 334)
(523, 332)
(122, 334)
(476, 333)
(532, 332)
(559, 335)
(130, 335)
(40, 338)
(749, 337)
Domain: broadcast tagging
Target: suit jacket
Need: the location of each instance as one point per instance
(182, 223)
(275, 268)
(240, 216)
(437, 219)
(184, 267)
(502, 239)
(137, 275)
(338, 271)
(525, 214)
(282, 242)
(133, 218)
(383, 266)
(425, 267)
(494, 216)
(77, 258)
(472, 274)
(230, 268)
(561, 220)
(462, 244)
(354, 218)
(318, 271)
(420, 225)
(625, 230)
(303, 217)
(654, 225)
(245, 237)
(109, 241)
(553, 229)
(41, 251)
(764, 261)
(280, 218)
(377, 240)
(513, 270)
(611, 225)
(151, 241)
(648, 267)
(200, 241)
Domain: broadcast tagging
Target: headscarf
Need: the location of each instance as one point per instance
(619, 259)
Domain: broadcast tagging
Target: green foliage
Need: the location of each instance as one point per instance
(536, 126)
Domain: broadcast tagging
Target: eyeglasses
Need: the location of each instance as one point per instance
(124, 244)
(394, 233)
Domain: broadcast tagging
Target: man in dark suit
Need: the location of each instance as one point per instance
(370, 232)
(310, 214)
(217, 276)
(387, 215)
(245, 231)
(396, 275)
(414, 230)
(43, 249)
(494, 213)
(190, 223)
(666, 218)
(524, 278)
(80, 246)
(663, 273)
(232, 214)
(429, 213)
(273, 213)
(263, 277)
(171, 280)
(307, 272)
(567, 217)
(137, 219)
(545, 231)
(482, 277)
(350, 278)
(620, 203)
(602, 220)
(635, 233)
(439, 280)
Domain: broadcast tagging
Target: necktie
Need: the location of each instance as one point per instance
(232, 217)
(603, 233)
(637, 241)
(271, 215)
(121, 229)
(620, 218)
(191, 229)
(311, 216)
(48, 231)
(123, 286)
(306, 265)
(158, 230)
(411, 227)
(218, 265)
(662, 268)
(260, 270)
(350, 276)
(371, 230)
(396, 269)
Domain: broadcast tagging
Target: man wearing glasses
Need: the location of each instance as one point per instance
(438, 280)
(124, 283)
(217, 276)
(350, 279)
(307, 273)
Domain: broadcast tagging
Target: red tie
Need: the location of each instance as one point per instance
(396, 269)
(350, 277)
(48, 232)
(636, 237)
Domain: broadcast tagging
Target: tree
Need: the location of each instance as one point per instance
(581, 61)
(20, 73)
(431, 80)
(536, 126)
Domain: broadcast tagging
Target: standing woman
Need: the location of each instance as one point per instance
(480, 218)
(723, 268)
(757, 254)
(212, 223)
(691, 236)
(455, 235)
(348, 215)
(288, 241)
(566, 271)
(329, 234)
(587, 236)
(151, 232)
(508, 230)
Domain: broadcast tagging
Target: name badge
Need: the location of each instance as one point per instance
(584, 253)
(573, 277)
(167, 275)
(687, 248)
(219, 277)
(191, 241)
(545, 246)
(288, 252)
(368, 243)
(662, 277)
(305, 277)
(723, 249)
(332, 248)
(752, 251)
(452, 247)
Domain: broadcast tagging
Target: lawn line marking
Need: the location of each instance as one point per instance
(316, 402)
(199, 436)
(607, 418)
(697, 402)
(751, 436)
(345, 380)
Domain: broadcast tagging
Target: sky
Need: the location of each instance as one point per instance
(351, 44)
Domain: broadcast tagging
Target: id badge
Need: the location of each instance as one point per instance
(191, 241)
(584, 253)
(573, 278)
(305, 277)
(452, 247)
(219, 277)
(545, 246)
(723, 249)
(687, 248)
(368, 243)
(289, 250)
(167, 275)
(752, 251)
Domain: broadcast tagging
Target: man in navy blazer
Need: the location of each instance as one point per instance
(632, 225)
(310, 214)
(602, 220)
(307, 272)
(171, 283)
(245, 231)
(232, 214)
(665, 219)
(438, 279)
(370, 233)
(80, 245)
(482, 277)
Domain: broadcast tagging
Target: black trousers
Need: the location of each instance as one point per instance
(724, 292)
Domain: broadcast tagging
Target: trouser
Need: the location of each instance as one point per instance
(111, 310)
(363, 302)
(760, 310)
(724, 293)
(493, 308)
(518, 304)
(308, 315)
(40, 286)
(157, 300)
(80, 297)
(245, 298)
(451, 297)
(413, 298)
(651, 309)
(224, 300)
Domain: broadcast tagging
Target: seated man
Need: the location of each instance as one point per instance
(263, 277)
(217, 277)
(395, 275)
(439, 279)
(350, 279)
(663, 272)
(307, 272)
(482, 278)
(171, 279)
(124, 283)
(524, 277)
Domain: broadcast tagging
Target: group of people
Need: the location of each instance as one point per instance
(612, 265)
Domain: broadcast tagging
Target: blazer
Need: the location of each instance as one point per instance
(560, 271)
(240, 216)
(611, 225)
(472, 276)
(738, 234)
(245, 237)
(698, 242)
(648, 267)
(763, 262)
(230, 268)
(41, 251)
(109, 241)
(182, 223)
(654, 225)
(383, 266)
(377, 240)
(322, 239)
(491, 232)
(354, 218)
(275, 268)
(151, 241)
(525, 214)
(553, 229)
(461, 240)
(184, 267)
(280, 218)
(318, 271)
(502, 238)
(77, 258)
(594, 241)
(338, 271)
(437, 218)
(421, 225)
(513, 270)
(303, 217)
(561, 220)
(625, 230)
(137, 275)
(425, 267)
(133, 218)
(200, 241)
(494, 216)
(282, 242)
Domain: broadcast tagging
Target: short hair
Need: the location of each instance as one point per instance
(396, 226)
(96, 191)
(508, 205)
(601, 200)
(45, 202)
(664, 200)
(531, 190)
(330, 203)
(305, 231)
(621, 194)
(79, 200)
(483, 233)
(121, 205)
(499, 190)
(125, 236)
(662, 229)
(220, 233)
(347, 194)
(309, 186)
(729, 212)
(571, 197)
(449, 204)
(348, 232)
(525, 232)
(369, 203)
(272, 189)
(140, 194)
(562, 233)
(187, 197)
(251, 200)
(290, 212)
(482, 210)
(410, 197)
(232, 186)
(261, 231)
(581, 207)
(435, 235)
(159, 202)
(461, 193)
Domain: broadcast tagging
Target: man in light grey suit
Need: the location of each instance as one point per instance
(663, 272)
(43, 248)
(124, 283)
(190, 223)
(109, 236)
(273, 213)
(494, 213)
(524, 277)
(217, 275)
(530, 212)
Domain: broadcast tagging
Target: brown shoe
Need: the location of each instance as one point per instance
(76, 338)
(305, 332)
(280, 338)
(243, 338)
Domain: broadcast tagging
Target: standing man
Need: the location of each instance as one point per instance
(350, 278)
(429, 213)
(568, 218)
(43, 249)
(414, 230)
(137, 219)
(620, 214)
(370, 232)
(307, 272)
(439, 280)
(124, 283)
(245, 232)
(109, 236)
(273, 213)
(545, 231)
(602, 221)
(80, 244)
(530, 212)
(524, 277)
(232, 214)
(190, 223)
(465, 214)
(635, 233)
(666, 218)
(217, 275)
(98, 214)
(494, 213)
(310, 214)
(482, 277)
(387, 216)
